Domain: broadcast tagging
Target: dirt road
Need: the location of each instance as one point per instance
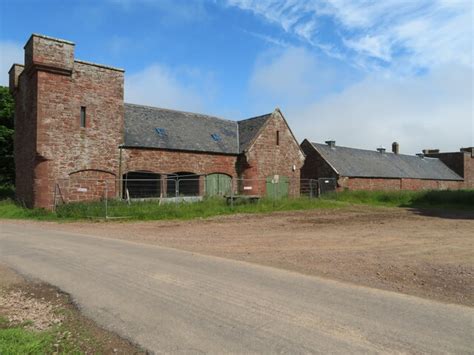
(413, 252)
(175, 301)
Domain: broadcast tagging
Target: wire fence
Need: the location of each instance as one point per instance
(107, 195)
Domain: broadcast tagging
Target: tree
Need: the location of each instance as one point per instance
(7, 165)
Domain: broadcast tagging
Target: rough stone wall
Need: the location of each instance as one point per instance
(266, 159)
(460, 162)
(469, 169)
(25, 92)
(61, 146)
(86, 185)
(166, 162)
(384, 184)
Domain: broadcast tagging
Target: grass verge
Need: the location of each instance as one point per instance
(445, 199)
(152, 210)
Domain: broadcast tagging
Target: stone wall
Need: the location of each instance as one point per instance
(50, 142)
(265, 158)
(166, 162)
(461, 162)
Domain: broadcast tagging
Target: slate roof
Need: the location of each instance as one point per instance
(249, 128)
(353, 162)
(152, 127)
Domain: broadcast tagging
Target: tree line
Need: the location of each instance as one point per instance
(7, 110)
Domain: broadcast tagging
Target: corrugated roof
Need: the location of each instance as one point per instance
(352, 162)
(249, 128)
(152, 127)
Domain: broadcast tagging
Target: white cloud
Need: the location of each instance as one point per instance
(430, 111)
(10, 53)
(420, 34)
(157, 85)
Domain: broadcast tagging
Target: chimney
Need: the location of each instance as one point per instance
(395, 148)
(381, 150)
(331, 143)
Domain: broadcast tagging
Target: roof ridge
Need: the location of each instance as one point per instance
(373, 151)
(252, 118)
(182, 111)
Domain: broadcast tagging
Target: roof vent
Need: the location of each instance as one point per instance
(381, 150)
(160, 131)
(216, 137)
(331, 143)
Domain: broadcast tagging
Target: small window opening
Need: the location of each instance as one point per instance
(83, 116)
(160, 131)
(216, 137)
(278, 138)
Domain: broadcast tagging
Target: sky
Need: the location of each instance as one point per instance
(362, 72)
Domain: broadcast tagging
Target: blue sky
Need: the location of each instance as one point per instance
(365, 73)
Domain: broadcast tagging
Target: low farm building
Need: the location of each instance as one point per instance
(359, 169)
(74, 131)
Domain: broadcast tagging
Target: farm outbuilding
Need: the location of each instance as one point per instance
(359, 169)
(77, 140)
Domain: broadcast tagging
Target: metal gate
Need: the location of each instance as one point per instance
(327, 185)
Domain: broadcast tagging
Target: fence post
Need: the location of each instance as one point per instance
(106, 198)
(310, 188)
(232, 193)
(176, 189)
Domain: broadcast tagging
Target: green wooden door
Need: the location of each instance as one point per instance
(277, 186)
(218, 184)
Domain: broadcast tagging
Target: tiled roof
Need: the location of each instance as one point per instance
(353, 162)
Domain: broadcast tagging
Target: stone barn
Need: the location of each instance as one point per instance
(359, 169)
(461, 162)
(72, 125)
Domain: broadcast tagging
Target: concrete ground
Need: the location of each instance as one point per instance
(169, 300)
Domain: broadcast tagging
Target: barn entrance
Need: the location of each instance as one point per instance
(141, 184)
(182, 184)
(218, 184)
(277, 186)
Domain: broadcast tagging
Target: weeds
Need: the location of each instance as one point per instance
(153, 210)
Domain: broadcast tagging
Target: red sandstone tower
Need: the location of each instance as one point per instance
(69, 120)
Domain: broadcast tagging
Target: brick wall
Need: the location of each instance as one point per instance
(378, 184)
(52, 89)
(461, 162)
(266, 159)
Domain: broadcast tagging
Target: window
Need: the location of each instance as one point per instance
(216, 137)
(278, 138)
(160, 131)
(83, 116)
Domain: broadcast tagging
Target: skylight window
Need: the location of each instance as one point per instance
(160, 131)
(216, 137)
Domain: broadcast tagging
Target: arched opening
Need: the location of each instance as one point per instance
(182, 184)
(141, 184)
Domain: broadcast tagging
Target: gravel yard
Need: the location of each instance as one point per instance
(415, 252)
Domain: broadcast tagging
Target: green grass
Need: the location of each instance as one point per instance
(152, 210)
(18, 340)
(11, 210)
(446, 199)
